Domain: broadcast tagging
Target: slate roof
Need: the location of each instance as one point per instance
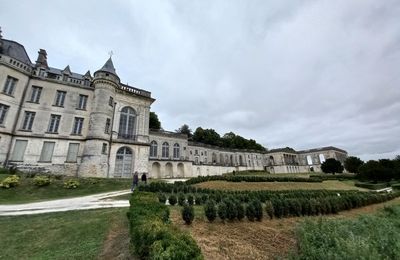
(16, 51)
(108, 67)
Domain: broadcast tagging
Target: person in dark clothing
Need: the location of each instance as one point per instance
(135, 181)
(144, 178)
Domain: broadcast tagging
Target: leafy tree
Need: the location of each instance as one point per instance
(375, 171)
(351, 164)
(154, 123)
(332, 165)
(206, 136)
(184, 129)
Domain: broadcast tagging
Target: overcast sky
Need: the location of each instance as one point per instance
(303, 74)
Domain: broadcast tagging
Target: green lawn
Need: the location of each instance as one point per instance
(28, 192)
(64, 235)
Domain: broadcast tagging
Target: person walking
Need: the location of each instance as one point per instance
(135, 181)
(144, 178)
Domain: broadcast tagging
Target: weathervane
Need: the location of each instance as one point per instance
(111, 53)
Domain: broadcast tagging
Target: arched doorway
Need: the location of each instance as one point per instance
(181, 170)
(155, 170)
(168, 170)
(123, 163)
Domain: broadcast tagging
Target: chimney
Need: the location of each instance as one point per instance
(42, 59)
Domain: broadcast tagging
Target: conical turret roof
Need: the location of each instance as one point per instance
(108, 67)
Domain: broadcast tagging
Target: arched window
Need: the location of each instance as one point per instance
(153, 149)
(176, 151)
(165, 150)
(127, 123)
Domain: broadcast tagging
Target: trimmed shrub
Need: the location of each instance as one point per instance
(250, 212)
(71, 184)
(269, 209)
(210, 210)
(371, 186)
(258, 210)
(241, 212)
(181, 199)
(10, 181)
(41, 181)
(162, 198)
(222, 211)
(231, 209)
(172, 199)
(187, 214)
(190, 199)
(198, 199)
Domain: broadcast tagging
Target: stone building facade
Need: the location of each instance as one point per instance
(55, 120)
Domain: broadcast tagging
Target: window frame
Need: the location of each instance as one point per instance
(36, 93)
(60, 102)
(82, 102)
(77, 126)
(27, 122)
(3, 113)
(9, 86)
(53, 129)
(165, 150)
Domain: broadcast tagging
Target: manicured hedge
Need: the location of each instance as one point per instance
(238, 178)
(152, 235)
(371, 186)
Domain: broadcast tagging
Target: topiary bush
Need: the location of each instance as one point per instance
(10, 181)
(210, 210)
(187, 213)
(231, 209)
(241, 212)
(222, 211)
(172, 199)
(198, 199)
(190, 199)
(250, 212)
(258, 210)
(162, 198)
(71, 184)
(41, 181)
(181, 199)
(269, 209)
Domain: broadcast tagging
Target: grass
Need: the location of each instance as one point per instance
(66, 235)
(28, 192)
(367, 237)
(328, 185)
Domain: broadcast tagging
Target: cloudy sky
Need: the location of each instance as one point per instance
(292, 73)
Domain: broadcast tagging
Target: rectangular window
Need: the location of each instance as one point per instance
(108, 125)
(35, 95)
(47, 151)
(3, 113)
(104, 149)
(82, 102)
(73, 151)
(77, 129)
(111, 101)
(54, 123)
(60, 98)
(28, 120)
(10, 85)
(19, 150)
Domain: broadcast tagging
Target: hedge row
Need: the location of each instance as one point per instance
(152, 236)
(231, 208)
(329, 177)
(240, 178)
(371, 186)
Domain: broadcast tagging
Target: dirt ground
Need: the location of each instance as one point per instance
(327, 185)
(268, 239)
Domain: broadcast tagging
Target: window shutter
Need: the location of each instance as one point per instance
(19, 150)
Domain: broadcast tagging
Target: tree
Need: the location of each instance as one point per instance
(332, 165)
(352, 164)
(206, 136)
(184, 129)
(154, 123)
(187, 214)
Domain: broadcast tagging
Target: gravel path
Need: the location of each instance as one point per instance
(79, 203)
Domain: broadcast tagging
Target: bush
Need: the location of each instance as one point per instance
(41, 181)
(71, 184)
(250, 212)
(162, 198)
(258, 210)
(10, 181)
(172, 199)
(210, 210)
(187, 214)
(222, 211)
(152, 236)
(371, 186)
(181, 199)
(190, 199)
(198, 199)
(269, 209)
(332, 165)
(231, 209)
(240, 210)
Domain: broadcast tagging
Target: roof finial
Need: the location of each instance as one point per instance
(111, 53)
